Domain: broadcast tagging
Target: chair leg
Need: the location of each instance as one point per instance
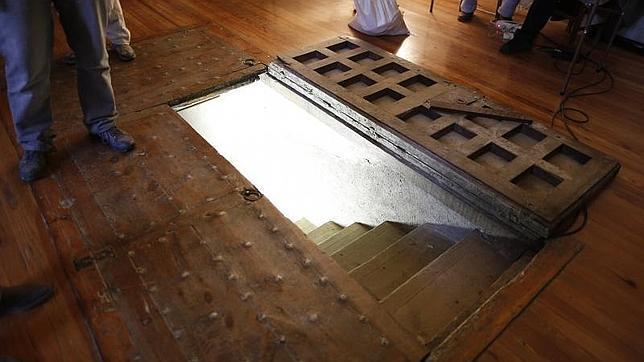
(431, 6)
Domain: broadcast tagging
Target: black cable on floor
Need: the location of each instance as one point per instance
(584, 221)
(571, 115)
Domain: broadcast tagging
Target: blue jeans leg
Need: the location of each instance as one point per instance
(26, 44)
(84, 25)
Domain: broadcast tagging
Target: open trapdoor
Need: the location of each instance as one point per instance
(526, 175)
(176, 256)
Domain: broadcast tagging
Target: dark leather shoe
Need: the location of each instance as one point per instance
(116, 139)
(69, 59)
(8, 359)
(498, 16)
(519, 44)
(464, 17)
(23, 297)
(124, 51)
(32, 165)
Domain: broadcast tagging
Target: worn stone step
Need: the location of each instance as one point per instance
(370, 244)
(343, 237)
(448, 286)
(400, 261)
(324, 231)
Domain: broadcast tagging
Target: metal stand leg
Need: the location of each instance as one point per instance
(431, 6)
(620, 15)
(580, 44)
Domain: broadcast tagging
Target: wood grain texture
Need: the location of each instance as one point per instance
(324, 231)
(28, 255)
(400, 261)
(369, 244)
(344, 237)
(212, 288)
(535, 169)
(448, 286)
(173, 68)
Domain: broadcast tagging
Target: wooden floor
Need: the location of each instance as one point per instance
(594, 308)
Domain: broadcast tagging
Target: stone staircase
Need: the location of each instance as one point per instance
(430, 278)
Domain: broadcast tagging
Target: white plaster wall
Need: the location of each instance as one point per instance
(311, 166)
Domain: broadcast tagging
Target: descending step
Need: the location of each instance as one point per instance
(305, 225)
(371, 243)
(509, 274)
(324, 231)
(343, 237)
(445, 288)
(400, 261)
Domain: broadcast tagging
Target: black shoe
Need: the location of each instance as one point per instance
(498, 16)
(32, 165)
(464, 17)
(69, 59)
(22, 298)
(8, 359)
(116, 139)
(518, 44)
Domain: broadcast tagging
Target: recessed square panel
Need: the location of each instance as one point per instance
(473, 141)
(536, 179)
(390, 70)
(357, 82)
(332, 69)
(493, 156)
(453, 135)
(524, 136)
(365, 57)
(419, 114)
(566, 157)
(342, 47)
(384, 97)
(417, 83)
(310, 57)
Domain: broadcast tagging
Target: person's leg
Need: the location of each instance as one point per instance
(26, 45)
(507, 8)
(467, 6)
(26, 37)
(466, 10)
(117, 31)
(84, 24)
(537, 17)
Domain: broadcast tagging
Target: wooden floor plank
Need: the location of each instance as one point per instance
(50, 332)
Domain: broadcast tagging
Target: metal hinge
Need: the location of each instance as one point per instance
(89, 260)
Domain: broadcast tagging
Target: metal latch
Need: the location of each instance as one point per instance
(89, 260)
(251, 194)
